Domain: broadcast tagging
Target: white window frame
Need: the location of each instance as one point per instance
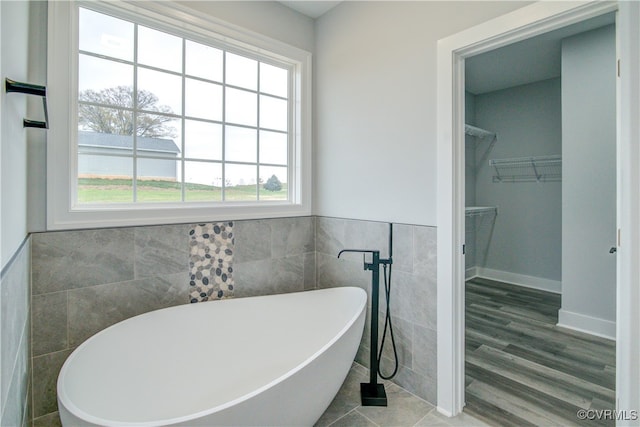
(62, 93)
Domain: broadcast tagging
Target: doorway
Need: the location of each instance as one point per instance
(543, 100)
(519, 25)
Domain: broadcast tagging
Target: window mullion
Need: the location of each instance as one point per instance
(258, 137)
(134, 135)
(182, 120)
(223, 185)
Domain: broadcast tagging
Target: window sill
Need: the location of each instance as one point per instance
(155, 215)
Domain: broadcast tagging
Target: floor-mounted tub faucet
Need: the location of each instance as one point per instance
(372, 393)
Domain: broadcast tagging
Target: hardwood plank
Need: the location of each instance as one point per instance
(512, 402)
(522, 368)
(493, 414)
(557, 409)
(518, 370)
(559, 362)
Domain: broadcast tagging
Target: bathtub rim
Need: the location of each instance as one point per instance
(68, 406)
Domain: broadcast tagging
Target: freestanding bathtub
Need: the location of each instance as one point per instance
(271, 360)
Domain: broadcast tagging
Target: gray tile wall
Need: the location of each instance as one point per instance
(15, 337)
(84, 281)
(274, 256)
(413, 291)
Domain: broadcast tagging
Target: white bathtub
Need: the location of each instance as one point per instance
(273, 360)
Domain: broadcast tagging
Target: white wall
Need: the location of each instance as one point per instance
(269, 18)
(470, 151)
(15, 27)
(375, 147)
(37, 146)
(470, 183)
(526, 239)
(14, 258)
(589, 181)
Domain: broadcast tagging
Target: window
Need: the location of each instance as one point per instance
(170, 121)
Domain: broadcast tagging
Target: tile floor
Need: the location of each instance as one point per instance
(404, 410)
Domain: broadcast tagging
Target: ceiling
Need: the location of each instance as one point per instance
(528, 61)
(313, 9)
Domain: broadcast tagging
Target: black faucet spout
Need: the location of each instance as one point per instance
(364, 251)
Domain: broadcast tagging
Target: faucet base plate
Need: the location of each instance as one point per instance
(373, 394)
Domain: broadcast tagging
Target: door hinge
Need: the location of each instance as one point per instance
(464, 247)
(618, 66)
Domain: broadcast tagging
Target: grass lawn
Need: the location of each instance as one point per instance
(98, 190)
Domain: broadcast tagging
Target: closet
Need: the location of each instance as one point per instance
(540, 194)
(540, 170)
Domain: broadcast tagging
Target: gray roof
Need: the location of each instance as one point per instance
(109, 140)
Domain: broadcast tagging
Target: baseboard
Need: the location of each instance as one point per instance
(444, 412)
(470, 273)
(590, 325)
(548, 285)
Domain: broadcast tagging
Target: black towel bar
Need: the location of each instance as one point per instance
(30, 89)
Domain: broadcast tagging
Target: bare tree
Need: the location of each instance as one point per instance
(100, 118)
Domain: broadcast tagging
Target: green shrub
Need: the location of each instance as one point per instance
(273, 184)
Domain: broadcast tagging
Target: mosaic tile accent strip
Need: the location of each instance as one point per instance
(211, 249)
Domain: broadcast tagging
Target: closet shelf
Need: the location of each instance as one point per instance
(478, 132)
(480, 210)
(528, 169)
(481, 136)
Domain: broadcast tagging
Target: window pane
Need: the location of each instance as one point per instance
(99, 75)
(203, 140)
(241, 71)
(273, 113)
(273, 147)
(159, 91)
(273, 183)
(241, 107)
(203, 181)
(160, 50)
(158, 181)
(240, 182)
(105, 35)
(204, 61)
(203, 100)
(241, 144)
(104, 121)
(159, 135)
(104, 179)
(274, 80)
(207, 125)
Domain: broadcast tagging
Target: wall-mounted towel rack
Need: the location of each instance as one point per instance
(30, 89)
(527, 169)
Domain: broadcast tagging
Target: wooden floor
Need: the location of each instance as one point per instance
(522, 370)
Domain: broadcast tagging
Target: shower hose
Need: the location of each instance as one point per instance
(387, 318)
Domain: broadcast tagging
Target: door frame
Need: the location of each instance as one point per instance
(521, 24)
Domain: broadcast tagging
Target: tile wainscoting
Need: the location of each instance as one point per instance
(413, 292)
(14, 338)
(84, 281)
